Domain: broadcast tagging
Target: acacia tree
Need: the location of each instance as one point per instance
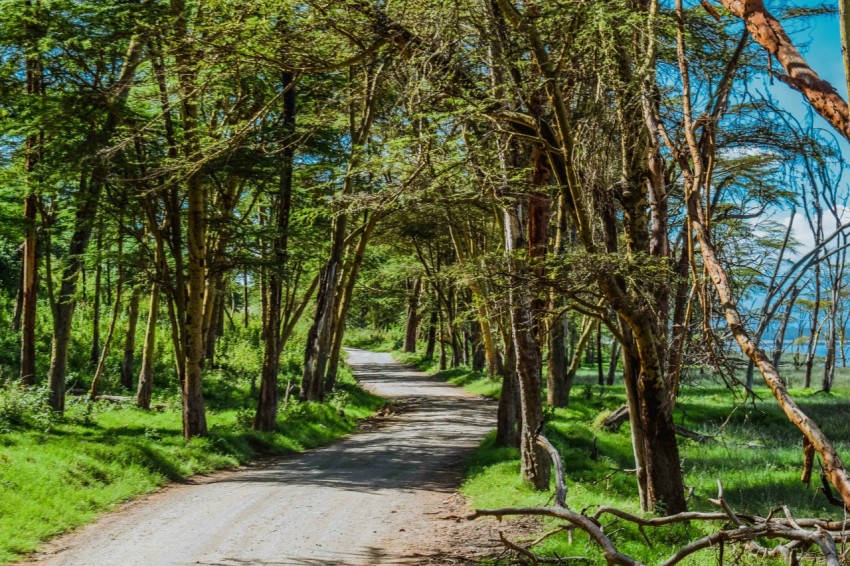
(656, 452)
(266, 415)
(694, 161)
(92, 179)
(34, 30)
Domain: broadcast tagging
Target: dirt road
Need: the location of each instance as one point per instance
(374, 498)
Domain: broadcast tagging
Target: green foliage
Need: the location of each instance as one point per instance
(25, 407)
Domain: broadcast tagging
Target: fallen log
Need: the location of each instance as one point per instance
(615, 420)
(113, 398)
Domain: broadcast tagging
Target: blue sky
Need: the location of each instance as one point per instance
(819, 39)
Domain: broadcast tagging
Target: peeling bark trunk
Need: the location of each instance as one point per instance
(28, 296)
(768, 32)
(833, 465)
(319, 337)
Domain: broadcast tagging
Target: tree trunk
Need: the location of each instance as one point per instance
(631, 379)
(345, 302)
(291, 319)
(814, 331)
(615, 359)
(194, 417)
(101, 362)
(779, 341)
(479, 353)
(130, 341)
(557, 390)
(534, 465)
(829, 363)
(443, 362)
(28, 301)
(412, 322)
(320, 334)
(95, 321)
(768, 32)
(265, 418)
(600, 372)
(833, 466)
(34, 31)
(579, 348)
(508, 413)
(212, 299)
(145, 386)
(245, 318)
(432, 334)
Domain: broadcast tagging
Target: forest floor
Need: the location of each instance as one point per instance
(386, 495)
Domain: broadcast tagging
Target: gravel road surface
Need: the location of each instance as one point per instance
(377, 497)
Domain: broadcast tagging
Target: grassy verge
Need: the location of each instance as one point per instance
(755, 479)
(373, 340)
(58, 474)
(472, 381)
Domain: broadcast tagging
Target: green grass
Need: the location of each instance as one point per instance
(755, 480)
(473, 381)
(100, 455)
(374, 340)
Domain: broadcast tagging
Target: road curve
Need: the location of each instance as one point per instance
(373, 498)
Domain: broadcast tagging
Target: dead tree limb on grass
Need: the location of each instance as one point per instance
(745, 529)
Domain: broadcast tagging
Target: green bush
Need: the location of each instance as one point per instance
(25, 407)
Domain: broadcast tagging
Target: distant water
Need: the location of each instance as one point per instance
(791, 348)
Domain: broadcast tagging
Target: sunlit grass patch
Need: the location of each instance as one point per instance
(756, 479)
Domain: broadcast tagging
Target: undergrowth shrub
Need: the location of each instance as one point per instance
(25, 407)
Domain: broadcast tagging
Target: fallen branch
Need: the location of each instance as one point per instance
(560, 483)
(800, 533)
